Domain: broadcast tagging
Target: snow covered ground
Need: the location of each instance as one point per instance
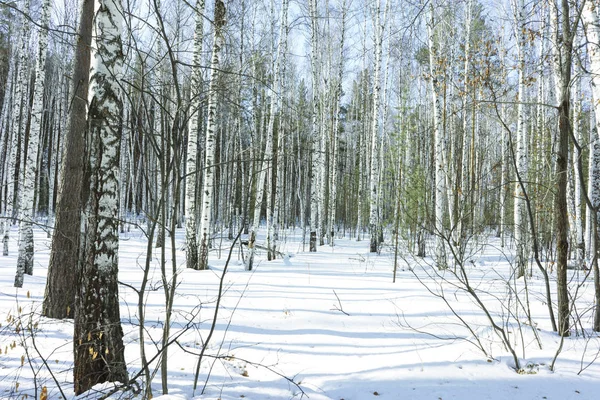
(331, 322)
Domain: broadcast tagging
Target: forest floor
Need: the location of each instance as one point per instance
(326, 325)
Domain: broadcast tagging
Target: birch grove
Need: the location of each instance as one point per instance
(435, 129)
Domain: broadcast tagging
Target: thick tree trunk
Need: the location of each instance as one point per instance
(64, 254)
(98, 337)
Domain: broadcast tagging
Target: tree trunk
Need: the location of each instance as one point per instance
(439, 182)
(98, 337)
(191, 171)
(17, 130)
(374, 167)
(520, 221)
(26, 212)
(316, 151)
(209, 160)
(64, 254)
(592, 26)
(563, 51)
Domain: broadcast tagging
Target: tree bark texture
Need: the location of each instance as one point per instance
(98, 337)
(64, 254)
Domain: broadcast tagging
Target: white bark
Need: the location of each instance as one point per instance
(26, 245)
(521, 154)
(17, 126)
(316, 151)
(5, 140)
(439, 147)
(593, 189)
(209, 157)
(279, 88)
(334, 145)
(104, 99)
(97, 307)
(191, 168)
(374, 167)
(466, 142)
(574, 189)
(591, 23)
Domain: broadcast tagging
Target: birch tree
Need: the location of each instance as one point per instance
(98, 337)
(520, 220)
(374, 227)
(436, 82)
(336, 115)
(316, 152)
(209, 160)
(466, 139)
(26, 211)
(591, 23)
(191, 172)
(17, 129)
(276, 110)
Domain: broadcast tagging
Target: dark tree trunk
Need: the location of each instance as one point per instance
(562, 218)
(60, 286)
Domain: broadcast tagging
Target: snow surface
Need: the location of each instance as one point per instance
(284, 320)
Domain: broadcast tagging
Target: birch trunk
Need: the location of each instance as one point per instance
(574, 190)
(98, 337)
(374, 167)
(5, 138)
(591, 23)
(208, 175)
(439, 181)
(279, 90)
(520, 220)
(334, 145)
(316, 152)
(465, 182)
(26, 212)
(17, 117)
(191, 168)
